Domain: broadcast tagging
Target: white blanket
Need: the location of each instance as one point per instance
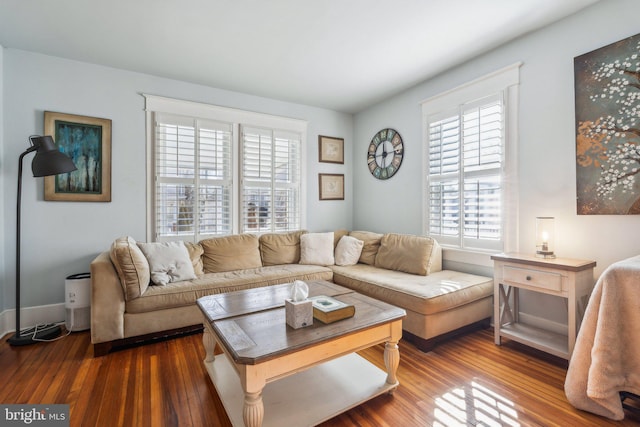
(606, 357)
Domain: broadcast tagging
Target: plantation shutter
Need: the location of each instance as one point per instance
(193, 182)
(270, 180)
(466, 152)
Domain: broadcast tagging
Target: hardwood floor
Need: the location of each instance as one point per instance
(466, 381)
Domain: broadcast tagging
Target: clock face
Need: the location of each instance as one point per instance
(385, 153)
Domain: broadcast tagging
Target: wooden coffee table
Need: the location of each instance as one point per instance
(274, 375)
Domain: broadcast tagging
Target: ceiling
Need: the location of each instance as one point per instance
(339, 54)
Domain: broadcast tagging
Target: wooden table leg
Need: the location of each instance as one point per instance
(253, 382)
(391, 361)
(209, 343)
(392, 354)
(253, 409)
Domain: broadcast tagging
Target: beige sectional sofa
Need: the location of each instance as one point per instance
(405, 270)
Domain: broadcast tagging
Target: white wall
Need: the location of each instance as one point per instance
(61, 238)
(546, 151)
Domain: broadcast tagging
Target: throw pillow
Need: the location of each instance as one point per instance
(317, 248)
(348, 250)
(403, 252)
(371, 245)
(131, 265)
(168, 262)
(280, 248)
(229, 253)
(195, 253)
(337, 235)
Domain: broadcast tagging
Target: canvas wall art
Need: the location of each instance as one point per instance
(607, 97)
(87, 141)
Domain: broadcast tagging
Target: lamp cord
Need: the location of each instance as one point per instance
(32, 332)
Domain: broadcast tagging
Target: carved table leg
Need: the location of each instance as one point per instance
(253, 409)
(253, 382)
(391, 361)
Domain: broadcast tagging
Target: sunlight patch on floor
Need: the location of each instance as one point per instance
(474, 404)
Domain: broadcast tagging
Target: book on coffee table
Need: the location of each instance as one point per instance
(328, 310)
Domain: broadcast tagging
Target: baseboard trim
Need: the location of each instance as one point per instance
(31, 316)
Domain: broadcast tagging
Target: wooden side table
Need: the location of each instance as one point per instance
(571, 279)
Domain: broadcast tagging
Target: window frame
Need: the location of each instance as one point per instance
(195, 130)
(236, 118)
(504, 83)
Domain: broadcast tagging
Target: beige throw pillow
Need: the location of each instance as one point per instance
(236, 252)
(371, 245)
(280, 248)
(131, 265)
(338, 234)
(408, 253)
(317, 248)
(348, 250)
(195, 253)
(168, 262)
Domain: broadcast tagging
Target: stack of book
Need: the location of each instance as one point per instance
(328, 309)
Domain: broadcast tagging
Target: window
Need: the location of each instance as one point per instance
(192, 177)
(469, 141)
(271, 180)
(217, 171)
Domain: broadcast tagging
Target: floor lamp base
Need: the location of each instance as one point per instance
(34, 335)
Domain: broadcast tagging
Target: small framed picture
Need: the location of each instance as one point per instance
(331, 150)
(331, 186)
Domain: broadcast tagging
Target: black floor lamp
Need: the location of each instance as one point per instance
(48, 161)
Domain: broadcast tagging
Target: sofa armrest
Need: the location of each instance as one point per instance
(107, 301)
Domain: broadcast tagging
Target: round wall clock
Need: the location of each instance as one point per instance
(385, 152)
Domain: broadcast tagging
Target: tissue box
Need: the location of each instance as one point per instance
(299, 314)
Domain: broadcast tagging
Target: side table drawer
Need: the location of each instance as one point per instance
(533, 278)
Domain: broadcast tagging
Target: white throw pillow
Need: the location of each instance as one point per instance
(348, 250)
(316, 248)
(168, 262)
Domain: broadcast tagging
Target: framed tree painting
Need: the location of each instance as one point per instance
(87, 141)
(607, 92)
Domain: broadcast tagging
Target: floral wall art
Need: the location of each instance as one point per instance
(607, 92)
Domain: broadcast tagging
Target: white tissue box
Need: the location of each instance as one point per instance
(299, 314)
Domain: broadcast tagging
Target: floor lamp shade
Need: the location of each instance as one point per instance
(47, 161)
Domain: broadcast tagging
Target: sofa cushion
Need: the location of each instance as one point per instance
(168, 262)
(131, 265)
(403, 252)
(317, 248)
(435, 293)
(195, 253)
(370, 247)
(236, 252)
(179, 294)
(280, 248)
(337, 235)
(348, 250)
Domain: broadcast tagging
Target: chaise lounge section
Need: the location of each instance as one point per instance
(404, 270)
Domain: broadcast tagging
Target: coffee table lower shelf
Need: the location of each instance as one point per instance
(305, 398)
